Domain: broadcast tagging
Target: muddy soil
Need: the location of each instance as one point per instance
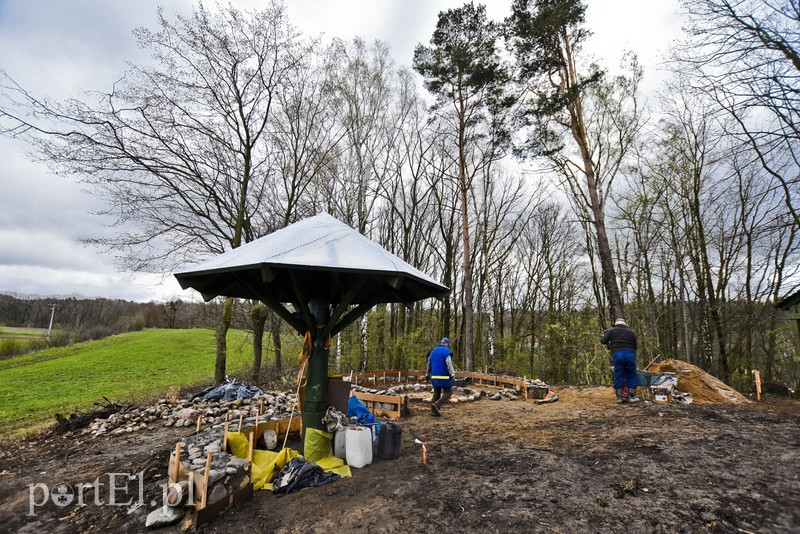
(582, 464)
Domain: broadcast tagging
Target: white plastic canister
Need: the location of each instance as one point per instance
(358, 445)
(339, 444)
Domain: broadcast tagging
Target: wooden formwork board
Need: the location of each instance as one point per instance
(376, 404)
(498, 381)
(207, 513)
(528, 391)
(278, 425)
(481, 379)
(386, 376)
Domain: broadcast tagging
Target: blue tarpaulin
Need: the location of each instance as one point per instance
(355, 408)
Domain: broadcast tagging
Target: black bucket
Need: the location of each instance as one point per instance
(389, 441)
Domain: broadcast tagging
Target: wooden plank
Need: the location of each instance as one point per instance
(278, 425)
(204, 493)
(362, 396)
(371, 399)
(174, 473)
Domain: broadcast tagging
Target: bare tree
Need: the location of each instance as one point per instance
(177, 148)
(503, 206)
(746, 55)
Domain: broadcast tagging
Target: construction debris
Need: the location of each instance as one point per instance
(704, 388)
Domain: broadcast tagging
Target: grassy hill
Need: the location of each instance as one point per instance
(125, 367)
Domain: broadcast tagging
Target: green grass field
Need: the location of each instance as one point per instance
(15, 332)
(127, 367)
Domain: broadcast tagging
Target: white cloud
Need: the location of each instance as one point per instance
(38, 280)
(58, 48)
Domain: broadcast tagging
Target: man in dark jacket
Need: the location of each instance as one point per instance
(441, 374)
(622, 342)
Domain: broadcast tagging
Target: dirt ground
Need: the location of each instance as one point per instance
(582, 464)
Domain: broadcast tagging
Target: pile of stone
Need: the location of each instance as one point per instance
(200, 466)
(460, 394)
(507, 393)
(183, 413)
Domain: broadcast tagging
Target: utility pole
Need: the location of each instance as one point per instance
(52, 315)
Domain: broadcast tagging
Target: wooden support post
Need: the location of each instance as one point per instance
(225, 438)
(176, 466)
(199, 422)
(204, 497)
(241, 415)
(261, 406)
(250, 448)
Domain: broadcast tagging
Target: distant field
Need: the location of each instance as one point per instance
(14, 332)
(126, 367)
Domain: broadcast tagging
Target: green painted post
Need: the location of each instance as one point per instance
(315, 399)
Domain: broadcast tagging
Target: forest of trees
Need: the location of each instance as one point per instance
(81, 318)
(507, 162)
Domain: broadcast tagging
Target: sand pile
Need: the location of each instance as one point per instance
(705, 389)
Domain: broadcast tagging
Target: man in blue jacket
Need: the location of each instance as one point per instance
(622, 342)
(441, 374)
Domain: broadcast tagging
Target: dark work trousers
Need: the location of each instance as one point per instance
(625, 370)
(440, 395)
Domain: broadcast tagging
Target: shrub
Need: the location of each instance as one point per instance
(11, 347)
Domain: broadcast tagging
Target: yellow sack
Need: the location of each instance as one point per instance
(266, 464)
(238, 443)
(335, 465)
(317, 444)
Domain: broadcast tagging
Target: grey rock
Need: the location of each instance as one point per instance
(218, 493)
(188, 414)
(238, 462)
(164, 516)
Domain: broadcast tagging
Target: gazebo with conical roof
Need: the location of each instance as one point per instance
(327, 272)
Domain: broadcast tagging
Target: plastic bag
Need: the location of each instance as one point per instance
(355, 408)
(300, 473)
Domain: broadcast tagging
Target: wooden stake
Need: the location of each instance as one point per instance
(261, 406)
(177, 465)
(241, 415)
(225, 438)
(256, 429)
(205, 482)
(758, 384)
(199, 422)
(250, 448)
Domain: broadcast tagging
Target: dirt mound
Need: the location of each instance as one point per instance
(705, 389)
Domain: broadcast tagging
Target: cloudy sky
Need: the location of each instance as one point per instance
(58, 48)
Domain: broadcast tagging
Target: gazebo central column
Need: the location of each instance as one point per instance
(315, 399)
